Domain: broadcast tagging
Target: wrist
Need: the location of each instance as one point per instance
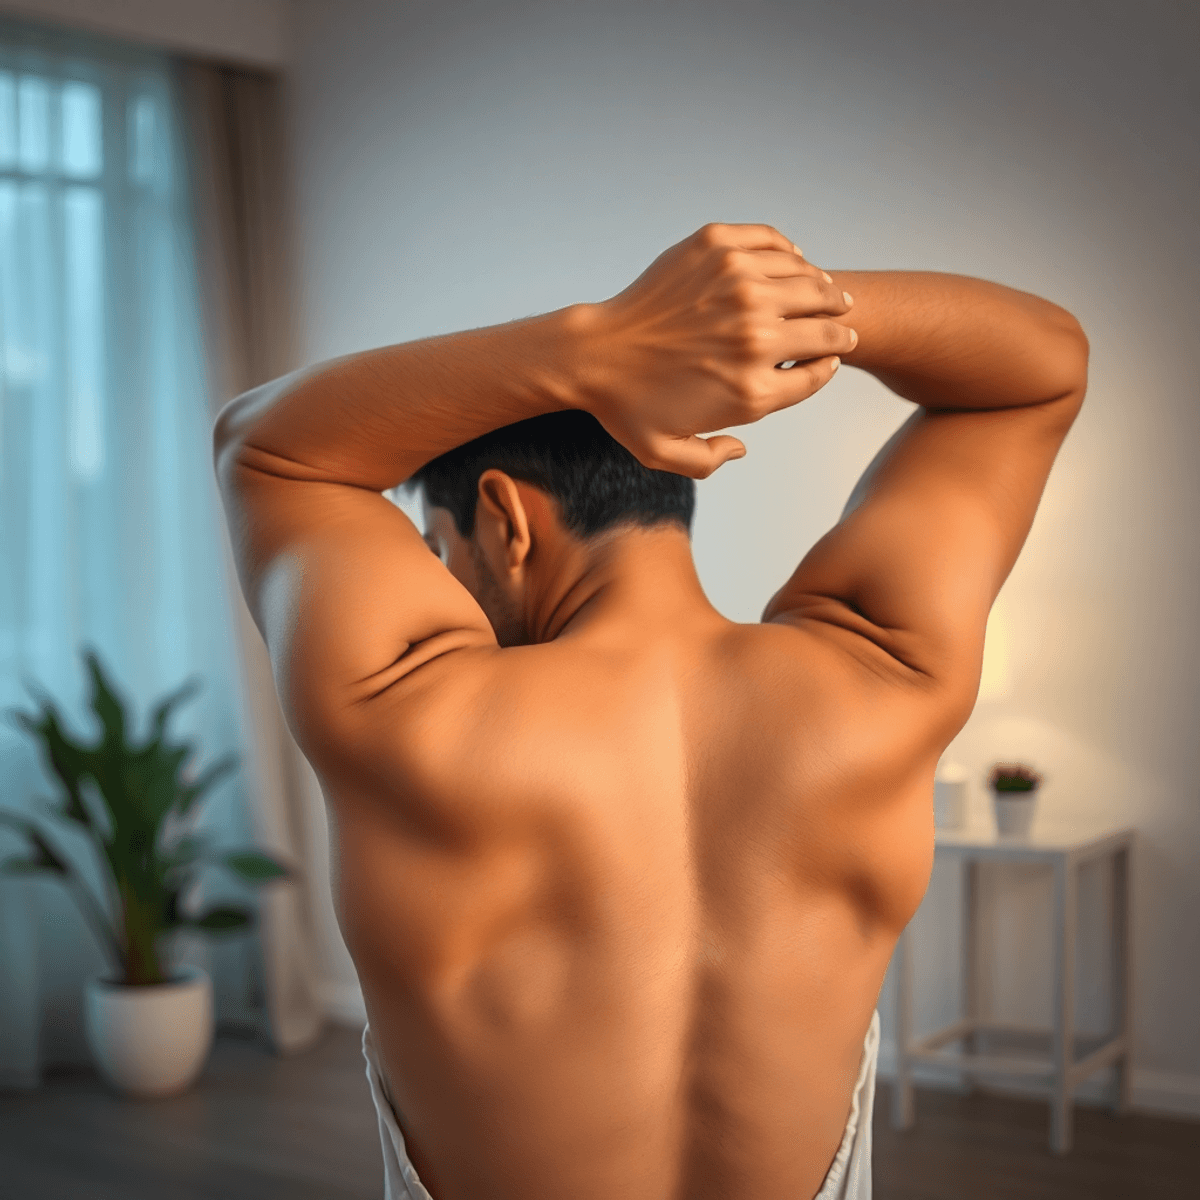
(579, 381)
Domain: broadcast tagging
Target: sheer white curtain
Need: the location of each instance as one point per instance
(109, 518)
(235, 135)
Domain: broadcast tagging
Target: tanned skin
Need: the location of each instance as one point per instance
(621, 877)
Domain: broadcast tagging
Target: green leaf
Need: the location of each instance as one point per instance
(153, 780)
(254, 866)
(172, 916)
(204, 781)
(23, 866)
(189, 849)
(14, 818)
(69, 760)
(222, 919)
(106, 703)
(162, 712)
(45, 858)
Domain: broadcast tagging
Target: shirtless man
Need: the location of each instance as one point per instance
(621, 878)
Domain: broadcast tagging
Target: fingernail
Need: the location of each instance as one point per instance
(797, 250)
(854, 337)
(828, 277)
(837, 362)
(849, 299)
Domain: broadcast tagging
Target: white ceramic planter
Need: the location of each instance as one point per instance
(150, 1041)
(950, 796)
(1014, 812)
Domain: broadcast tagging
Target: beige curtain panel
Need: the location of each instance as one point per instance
(239, 183)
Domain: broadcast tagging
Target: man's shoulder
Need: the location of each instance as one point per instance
(470, 720)
(816, 689)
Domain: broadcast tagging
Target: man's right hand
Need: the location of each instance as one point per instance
(695, 342)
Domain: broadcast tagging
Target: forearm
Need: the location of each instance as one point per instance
(950, 341)
(372, 419)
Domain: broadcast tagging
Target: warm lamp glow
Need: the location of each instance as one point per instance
(994, 681)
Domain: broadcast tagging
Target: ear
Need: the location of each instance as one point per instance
(502, 521)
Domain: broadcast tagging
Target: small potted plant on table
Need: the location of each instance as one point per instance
(1014, 798)
(149, 1030)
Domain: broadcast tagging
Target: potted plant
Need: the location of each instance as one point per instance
(149, 1029)
(1014, 797)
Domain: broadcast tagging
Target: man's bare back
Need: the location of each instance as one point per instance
(622, 888)
(595, 946)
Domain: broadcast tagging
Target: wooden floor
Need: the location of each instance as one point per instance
(989, 1147)
(257, 1127)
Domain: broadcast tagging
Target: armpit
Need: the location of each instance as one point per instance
(883, 651)
(414, 657)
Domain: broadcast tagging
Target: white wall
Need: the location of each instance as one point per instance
(254, 32)
(465, 163)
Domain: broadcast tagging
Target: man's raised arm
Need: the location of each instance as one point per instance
(953, 341)
(936, 523)
(371, 419)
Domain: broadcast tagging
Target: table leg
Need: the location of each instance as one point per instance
(1063, 1053)
(1122, 976)
(903, 1112)
(970, 959)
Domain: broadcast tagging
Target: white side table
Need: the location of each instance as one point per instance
(1062, 852)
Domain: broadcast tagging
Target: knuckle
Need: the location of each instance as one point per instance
(710, 235)
(816, 379)
(759, 341)
(744, 293)
(742, 326)
(747, 338)
(752, 396)
(834, 335)
(729, 260)
(782, 241)
(821, 293)
(762, 398)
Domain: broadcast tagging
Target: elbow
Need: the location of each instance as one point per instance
(1071, 353)
(1085, 347)
(238, 416)
(1081, 349)
(220, 433)
(1077, 339)
(243, 413)
(224, 438)
(231, 427)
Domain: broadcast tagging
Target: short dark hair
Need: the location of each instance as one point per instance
(570, 455)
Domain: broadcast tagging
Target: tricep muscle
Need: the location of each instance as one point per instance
(348, 597)
(930, 534)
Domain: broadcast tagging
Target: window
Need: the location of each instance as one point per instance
(103, 420)
(109, 517)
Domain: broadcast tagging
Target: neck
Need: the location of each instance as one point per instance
(634, 580)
